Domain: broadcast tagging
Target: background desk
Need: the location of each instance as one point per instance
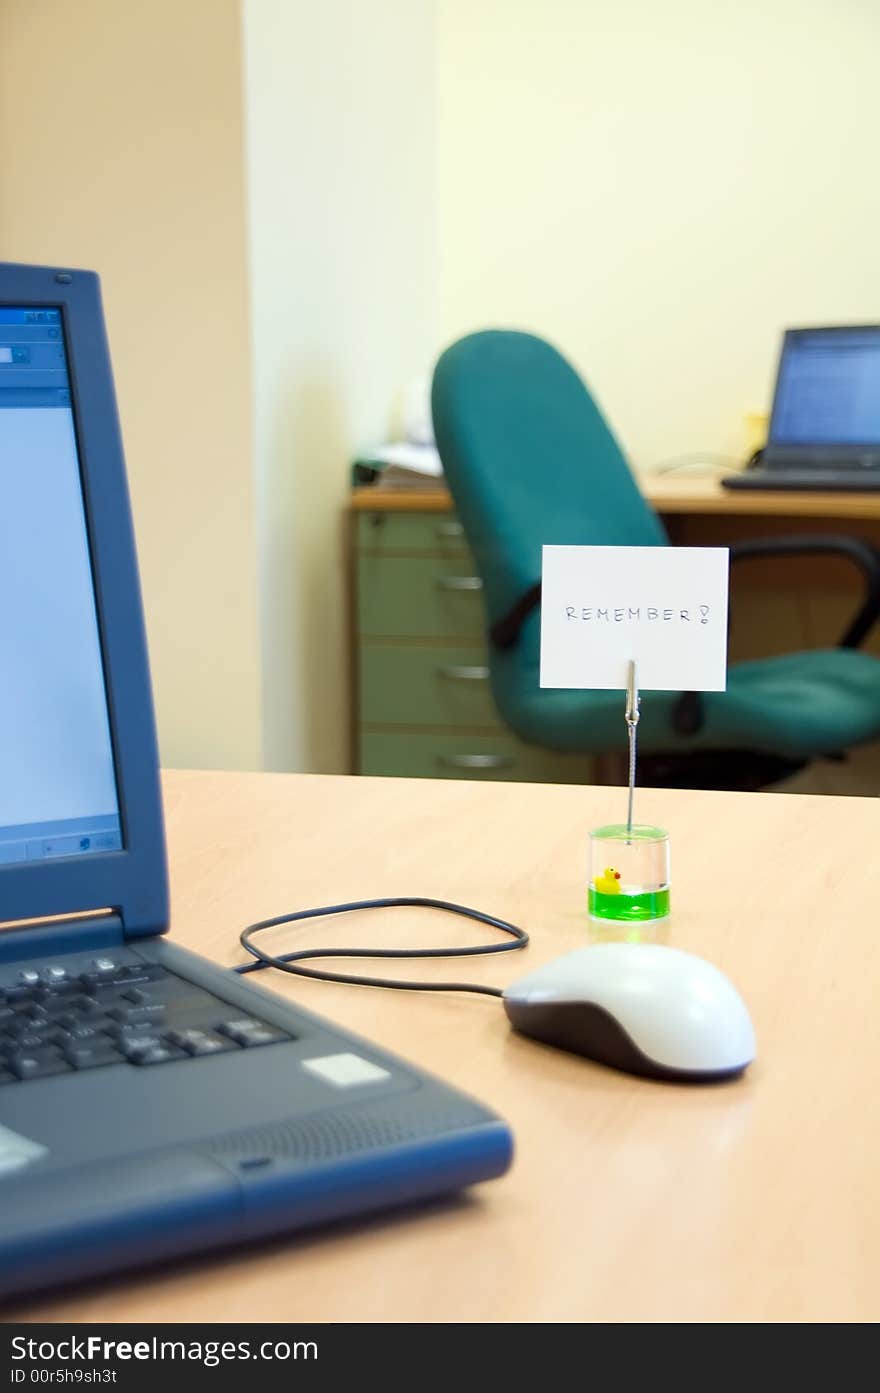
(421, 701)
(628, 1200)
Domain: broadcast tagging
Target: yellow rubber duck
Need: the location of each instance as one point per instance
(609, 882)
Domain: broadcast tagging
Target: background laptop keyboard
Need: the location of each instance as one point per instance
(56, 1020)
(807, 480)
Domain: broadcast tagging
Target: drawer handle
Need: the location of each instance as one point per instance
(464, 674)
(476, 761)
(450, 529)
(459, 583)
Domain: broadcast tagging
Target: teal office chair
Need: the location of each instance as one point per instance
(530, 460)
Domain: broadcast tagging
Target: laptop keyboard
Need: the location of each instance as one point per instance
(53, 1021)
(807, 480)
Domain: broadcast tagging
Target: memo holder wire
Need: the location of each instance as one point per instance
(632, 721)
(629, 863)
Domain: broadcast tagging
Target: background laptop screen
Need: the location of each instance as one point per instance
(57, 783)
(829, 388)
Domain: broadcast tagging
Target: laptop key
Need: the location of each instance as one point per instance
(38, 1064)
(148, 972)
(70, 1020)
(54, 974)
(104, 966)
(92, 1056)
(199, 1041)
(35, 1011)
(131, 1043)
(76, 1032)
(21, 1025)
(99, 981)
(19, 993)
(158, 1054)
(138, 1015)
(54, 991)
(122, 977)
(88, 1006)
(58, 1003)
(246, 1032)
(137, 995)
(90, 981)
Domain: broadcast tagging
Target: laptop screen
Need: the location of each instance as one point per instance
(828, 391)
(58, 793)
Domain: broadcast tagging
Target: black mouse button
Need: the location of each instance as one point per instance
(582, 1028)
(587, 1029)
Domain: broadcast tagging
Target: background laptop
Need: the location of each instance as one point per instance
(150, 1103)
(825, 426)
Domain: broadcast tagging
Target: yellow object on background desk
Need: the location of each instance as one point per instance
(757, 423)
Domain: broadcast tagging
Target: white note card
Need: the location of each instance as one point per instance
(665, 607)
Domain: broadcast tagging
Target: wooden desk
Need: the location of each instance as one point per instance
(628, 1200)
(673, 494)
(670, 494)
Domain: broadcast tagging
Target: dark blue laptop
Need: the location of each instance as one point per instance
(824, 429)
(151, 1104)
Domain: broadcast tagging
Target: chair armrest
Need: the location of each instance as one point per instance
(506, 630)
(861, 553)
(687, 713)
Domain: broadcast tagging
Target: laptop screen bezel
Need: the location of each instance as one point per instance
(131, 881)
(865, 453)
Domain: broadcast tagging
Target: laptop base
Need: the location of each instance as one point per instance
(806, 480)
(141, 1160)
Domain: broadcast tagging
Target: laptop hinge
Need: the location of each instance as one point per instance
(52, 937)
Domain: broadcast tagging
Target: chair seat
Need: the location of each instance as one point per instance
(797, 705)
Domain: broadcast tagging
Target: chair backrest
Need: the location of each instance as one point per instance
(529, 460)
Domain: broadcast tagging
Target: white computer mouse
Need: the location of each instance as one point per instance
(645, 1008)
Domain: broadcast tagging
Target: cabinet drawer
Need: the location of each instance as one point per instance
(388, 532)
(419, 597)
(461, 756)
(425, 686)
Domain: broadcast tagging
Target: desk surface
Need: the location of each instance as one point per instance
(668, 493)
(628, 1200)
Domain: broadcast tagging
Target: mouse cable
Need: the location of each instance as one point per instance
(289, 962)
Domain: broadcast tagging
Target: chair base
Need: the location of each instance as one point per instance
(743, 771)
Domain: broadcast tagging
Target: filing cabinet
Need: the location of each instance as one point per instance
(422, 700)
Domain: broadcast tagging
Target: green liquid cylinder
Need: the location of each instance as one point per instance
(628, 874)
(632, 909)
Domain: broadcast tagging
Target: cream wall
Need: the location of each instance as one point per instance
(121, 150)
(660, 189)
(265, 308)
(340, 175)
